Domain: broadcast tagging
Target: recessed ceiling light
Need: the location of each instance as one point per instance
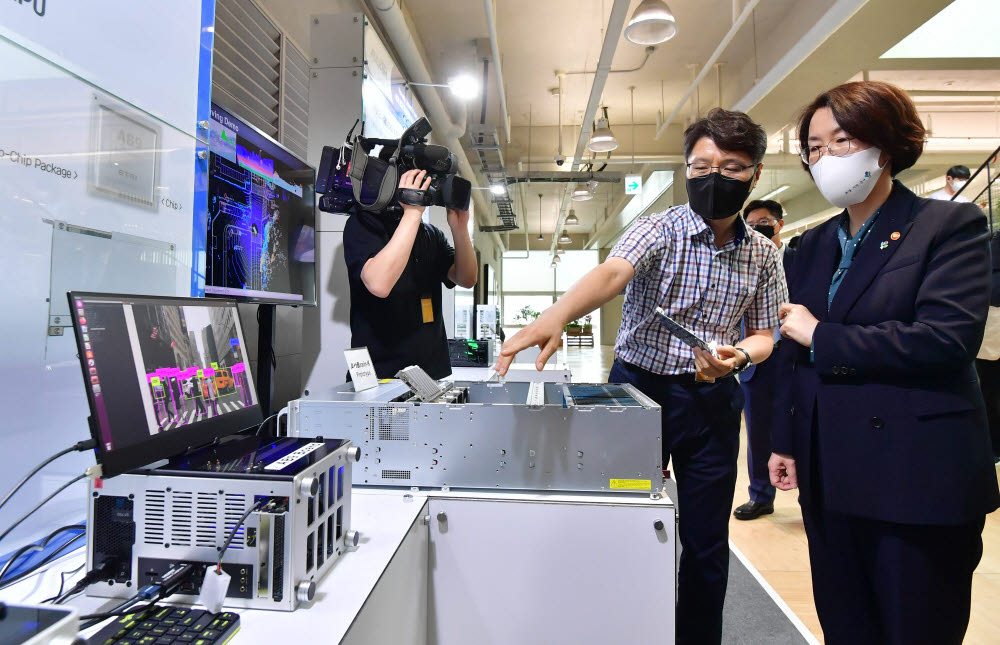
(776, 191)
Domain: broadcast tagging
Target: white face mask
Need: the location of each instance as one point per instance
(848, 180)
(957, 185)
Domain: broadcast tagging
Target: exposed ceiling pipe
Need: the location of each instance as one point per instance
(622, 160)
(497, 72)
(612, 36)
(747, 11)
(649, 52)
(411, 58)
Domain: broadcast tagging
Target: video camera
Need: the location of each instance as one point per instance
(350, 176)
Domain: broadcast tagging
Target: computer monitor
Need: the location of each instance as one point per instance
(162, 375)
(261, 218)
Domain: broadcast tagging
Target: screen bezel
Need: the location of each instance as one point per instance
(175, 442)
(263, 300)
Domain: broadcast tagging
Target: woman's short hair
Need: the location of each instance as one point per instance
(880, 114)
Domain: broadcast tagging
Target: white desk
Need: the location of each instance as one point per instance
(457, 567)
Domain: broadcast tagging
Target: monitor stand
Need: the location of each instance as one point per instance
(265, 357)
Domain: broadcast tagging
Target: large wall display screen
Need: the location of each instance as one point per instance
(261, 222)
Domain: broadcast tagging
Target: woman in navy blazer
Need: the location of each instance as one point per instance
(882, 425)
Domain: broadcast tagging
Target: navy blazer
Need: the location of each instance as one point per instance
(892, 406)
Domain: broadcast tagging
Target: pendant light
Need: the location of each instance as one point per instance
(581, 193)
(565, 239)
(652, 23)
(603, 139)
(572, 219)
(556, 259)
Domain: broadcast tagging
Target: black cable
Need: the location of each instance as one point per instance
(172, 580)
(236, 527)
(100, 572)
(122, 609)
(40, 504)
(17, 555)
(93, 619)
(58, 598)
(37, 546)
(89, 444)
(49, 558)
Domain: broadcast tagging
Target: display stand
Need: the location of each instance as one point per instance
(265, 357)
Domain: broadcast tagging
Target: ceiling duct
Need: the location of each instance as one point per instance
(486, 146)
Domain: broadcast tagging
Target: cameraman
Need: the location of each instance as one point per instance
(396, 265)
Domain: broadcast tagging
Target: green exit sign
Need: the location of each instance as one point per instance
(633, 184)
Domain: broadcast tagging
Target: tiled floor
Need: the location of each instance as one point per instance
(776, 544)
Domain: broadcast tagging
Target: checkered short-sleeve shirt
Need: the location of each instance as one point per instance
(706, 289)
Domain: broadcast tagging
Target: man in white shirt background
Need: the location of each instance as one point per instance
(954, 181)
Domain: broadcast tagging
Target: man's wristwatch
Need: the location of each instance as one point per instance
(745, 366)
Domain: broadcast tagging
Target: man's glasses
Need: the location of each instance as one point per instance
(837, 148)
(730, 170)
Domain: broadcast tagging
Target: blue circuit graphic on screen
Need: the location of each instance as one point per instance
(259, 214)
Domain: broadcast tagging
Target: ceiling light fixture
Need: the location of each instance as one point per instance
(572, 219)
(603, 139)
(553, 265)
(463, 86)
(565, 239)
(652, 23)
(560, 251)
(498, 189)
(556, 259)
(776, 191)
(581, 193)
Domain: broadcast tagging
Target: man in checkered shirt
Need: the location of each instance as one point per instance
(701, 263)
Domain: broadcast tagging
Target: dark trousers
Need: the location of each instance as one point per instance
(989, 382)
(759, 415)
(701, 432)
(881, 583)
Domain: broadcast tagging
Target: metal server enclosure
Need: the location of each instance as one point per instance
(148, 521)
(520, 436)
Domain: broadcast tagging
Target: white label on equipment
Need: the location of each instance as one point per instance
(359, 362)
(292, 457)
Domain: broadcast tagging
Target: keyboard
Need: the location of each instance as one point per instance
(169, 626)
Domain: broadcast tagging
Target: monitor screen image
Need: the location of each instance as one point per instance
(162, 374)
(261, 222)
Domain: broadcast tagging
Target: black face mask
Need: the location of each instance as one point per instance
(767, 230)
(716, 197)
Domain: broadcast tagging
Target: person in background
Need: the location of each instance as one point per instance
(759, 381)
(881, 424)
(396, 265)
(954, 181)
(708, 270)
(988, 359)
